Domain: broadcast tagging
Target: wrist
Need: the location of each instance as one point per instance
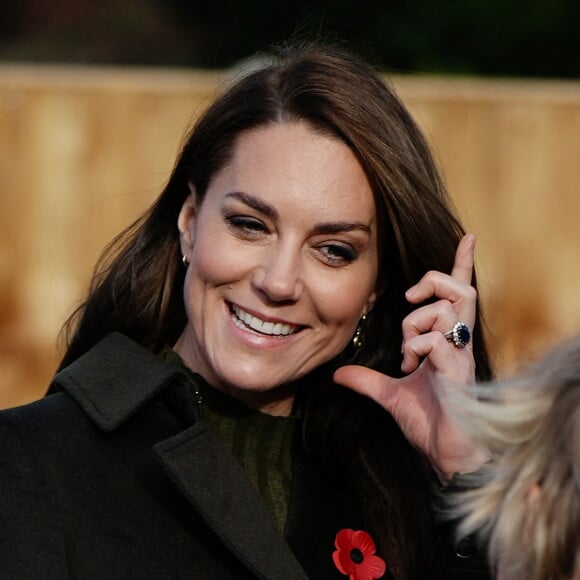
(460, 466)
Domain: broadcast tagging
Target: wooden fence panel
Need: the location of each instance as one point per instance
(83, 151)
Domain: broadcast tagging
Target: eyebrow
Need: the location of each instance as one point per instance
(255, 203)
(340, 227)
(319, 228)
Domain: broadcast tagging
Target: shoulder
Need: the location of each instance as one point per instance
(106, 387)
(28, 430)
(91, 443)
(105, 418)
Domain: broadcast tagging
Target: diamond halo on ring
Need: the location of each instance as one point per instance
(459, 335)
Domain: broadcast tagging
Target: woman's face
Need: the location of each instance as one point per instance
(283, 263)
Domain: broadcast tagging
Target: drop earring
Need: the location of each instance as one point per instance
(358, 338)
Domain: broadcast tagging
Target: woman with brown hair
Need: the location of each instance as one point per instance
(197, 427)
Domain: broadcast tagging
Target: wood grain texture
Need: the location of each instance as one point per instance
(83, 151)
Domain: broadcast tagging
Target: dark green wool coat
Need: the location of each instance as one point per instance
(115, 477)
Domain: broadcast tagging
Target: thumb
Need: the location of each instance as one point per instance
(367, 382)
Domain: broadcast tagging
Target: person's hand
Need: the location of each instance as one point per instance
(431, 362)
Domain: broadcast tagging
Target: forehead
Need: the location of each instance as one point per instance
(292, 163)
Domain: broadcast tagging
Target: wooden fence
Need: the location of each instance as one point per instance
(83, 151)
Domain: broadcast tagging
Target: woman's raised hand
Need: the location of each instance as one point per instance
(431, 362)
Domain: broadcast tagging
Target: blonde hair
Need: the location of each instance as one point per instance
(526, 501)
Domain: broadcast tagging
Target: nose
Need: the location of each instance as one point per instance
(278, 277)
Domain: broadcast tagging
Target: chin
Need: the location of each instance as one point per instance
(255, 381)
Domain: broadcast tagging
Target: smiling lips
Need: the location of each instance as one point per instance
(247, 321)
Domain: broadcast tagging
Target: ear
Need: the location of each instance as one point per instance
(186, 222)
(369, 303)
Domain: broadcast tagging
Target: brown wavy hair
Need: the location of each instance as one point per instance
(138, 284)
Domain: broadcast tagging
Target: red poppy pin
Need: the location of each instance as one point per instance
(355, 555)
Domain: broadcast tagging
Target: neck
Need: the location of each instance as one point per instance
(277, 401)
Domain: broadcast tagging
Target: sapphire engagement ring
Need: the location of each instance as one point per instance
(459, 335)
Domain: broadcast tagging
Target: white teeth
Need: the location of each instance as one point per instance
(245, 320)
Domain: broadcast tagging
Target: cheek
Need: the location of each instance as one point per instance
(341, 304)
(213, 262)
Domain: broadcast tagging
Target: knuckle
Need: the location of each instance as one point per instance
(471, 293)
(444, 307)
(408, 326)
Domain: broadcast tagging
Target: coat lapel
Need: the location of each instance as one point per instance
(212, 480)
(195, 459)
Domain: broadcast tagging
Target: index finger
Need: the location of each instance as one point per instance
(464, 259)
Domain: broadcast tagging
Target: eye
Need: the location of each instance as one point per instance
(245, 226)
(337, 254)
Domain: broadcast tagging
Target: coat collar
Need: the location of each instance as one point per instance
(115, 379)
(98, 380)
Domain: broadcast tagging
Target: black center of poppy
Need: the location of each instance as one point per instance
(356, 556)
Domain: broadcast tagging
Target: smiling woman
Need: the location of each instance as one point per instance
(270, 272)
(199, 425)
